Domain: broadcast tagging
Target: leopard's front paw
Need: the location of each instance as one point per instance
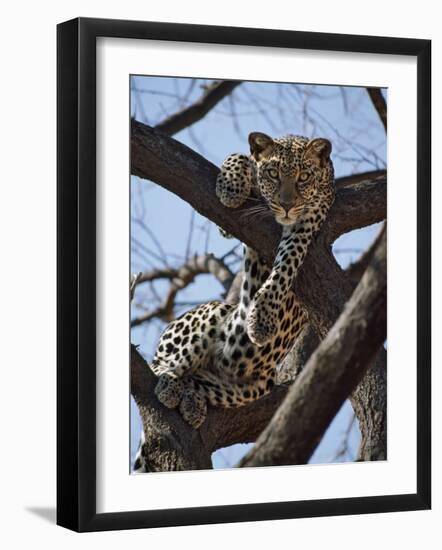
(234, 182)
(260, 327)
(193, 408)
(169, 390)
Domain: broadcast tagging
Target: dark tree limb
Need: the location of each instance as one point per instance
(293, 433)
(369, 402)
(198, 110)
(305, 345)
(184, 172)
(171, 444)
(379, 104)
(321, 286)
(356, 269)
(345, 181)
(369, 399)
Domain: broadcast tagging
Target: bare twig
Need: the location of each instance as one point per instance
(188, 116)
(190, 233)
(180, 278)
(344, 447)
(133, 283)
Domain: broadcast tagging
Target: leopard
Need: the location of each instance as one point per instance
(227, 355)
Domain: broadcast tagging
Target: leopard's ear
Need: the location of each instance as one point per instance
(319, 150)
(260, 144)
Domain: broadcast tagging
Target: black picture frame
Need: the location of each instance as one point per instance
(76, 273)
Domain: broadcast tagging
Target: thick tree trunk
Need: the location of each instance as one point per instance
(324, 291)
(369, 401)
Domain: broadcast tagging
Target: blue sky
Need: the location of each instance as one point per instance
(162, 222)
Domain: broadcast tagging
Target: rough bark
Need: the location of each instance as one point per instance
(171, 444)
(357, 178)
(334, 370)
(305, 345)
(321, 286)
(369, 401)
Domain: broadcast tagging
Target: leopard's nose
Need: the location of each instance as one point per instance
(286, 205)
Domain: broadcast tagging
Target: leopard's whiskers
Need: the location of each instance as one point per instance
(256, 208)
(254, 212)
(255, 199)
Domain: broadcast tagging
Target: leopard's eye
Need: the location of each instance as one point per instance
(304, 176)
(273, 173)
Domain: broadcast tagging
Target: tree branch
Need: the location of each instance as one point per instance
(379, 104)
(184, 172)
(180, 278)
(294, 363)
(294, 431)
(188, 116)
(369, 402)
(356, 269)
(133, 284)
(170, 443)
(345, 181)
(184, 275)
(189, 449)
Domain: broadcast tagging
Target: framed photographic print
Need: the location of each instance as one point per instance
(225, 236)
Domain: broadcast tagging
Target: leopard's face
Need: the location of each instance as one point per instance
(292, 174)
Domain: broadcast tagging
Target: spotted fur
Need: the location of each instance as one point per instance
(226, 355)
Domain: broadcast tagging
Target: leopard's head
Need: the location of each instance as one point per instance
(293, 174)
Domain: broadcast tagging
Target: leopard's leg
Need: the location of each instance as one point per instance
(169, 389)
(221, 391)
(234, 182)
(262, 317)
(193, 405)
(184, 348)
(234, 382)
(255, 273)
